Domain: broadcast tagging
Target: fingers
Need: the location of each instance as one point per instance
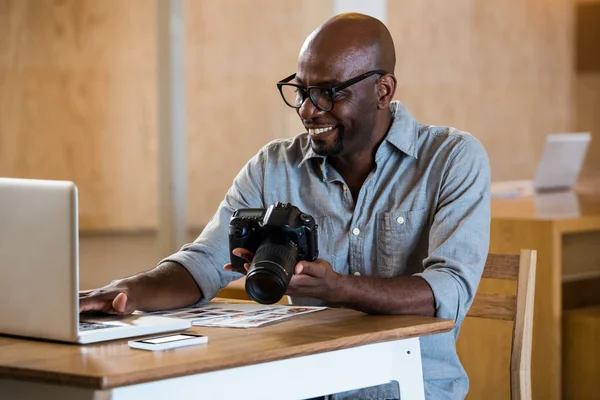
(303, 286)
(93, 304)
(119, 304)
(312, 279)
(243, 253)
(312, 269)
(104, 302)
(229, 267)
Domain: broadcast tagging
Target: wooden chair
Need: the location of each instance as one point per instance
(518, 309)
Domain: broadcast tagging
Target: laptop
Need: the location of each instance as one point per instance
(561, 161)
(557, 171)
(39, 270)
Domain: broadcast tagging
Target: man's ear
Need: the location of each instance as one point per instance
(386, 87)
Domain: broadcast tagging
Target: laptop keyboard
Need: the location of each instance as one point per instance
(90, 326)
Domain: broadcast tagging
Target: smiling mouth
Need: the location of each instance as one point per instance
(318, 131)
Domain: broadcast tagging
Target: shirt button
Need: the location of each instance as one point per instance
(356, 231)
(357, 273)
(400, 220)
(344, 188)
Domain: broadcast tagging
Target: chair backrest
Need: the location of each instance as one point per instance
(519, 309)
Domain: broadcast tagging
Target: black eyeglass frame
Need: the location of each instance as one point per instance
(306, 91)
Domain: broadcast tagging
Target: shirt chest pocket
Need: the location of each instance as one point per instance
(398, 236)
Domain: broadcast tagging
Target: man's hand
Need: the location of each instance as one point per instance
(242, 253)
(165, 287)
(110, 299)
(315, 279)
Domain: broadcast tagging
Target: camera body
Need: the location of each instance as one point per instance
(279, 237)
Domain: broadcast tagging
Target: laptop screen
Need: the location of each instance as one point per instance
(561, 161)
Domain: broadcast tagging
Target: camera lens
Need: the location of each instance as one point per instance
(270, 272)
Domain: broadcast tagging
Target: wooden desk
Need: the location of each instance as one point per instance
(566, 233)
(315, 354)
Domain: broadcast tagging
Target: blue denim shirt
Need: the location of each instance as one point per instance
(424, 210)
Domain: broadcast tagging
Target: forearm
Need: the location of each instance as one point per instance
(167, 286)
(399, 295)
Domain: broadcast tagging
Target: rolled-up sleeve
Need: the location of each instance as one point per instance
(205, 257)
(460, 231)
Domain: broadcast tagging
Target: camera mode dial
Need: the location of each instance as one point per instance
(305, 218)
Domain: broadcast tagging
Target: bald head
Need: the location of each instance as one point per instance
(347, 53)
(351, 41)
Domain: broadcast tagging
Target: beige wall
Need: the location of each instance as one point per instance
(498, 69)
(236, 53)
(78, 101)
(78, 98)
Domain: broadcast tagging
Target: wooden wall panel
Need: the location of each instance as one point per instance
(236, 52)
(77, 79)
(498, 69)
(587, 28)
(586, 107)
(77, 101)
(586, 80)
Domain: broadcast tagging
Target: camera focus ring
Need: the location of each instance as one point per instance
(270, 272)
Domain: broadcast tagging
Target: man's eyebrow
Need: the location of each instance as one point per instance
(326, 83)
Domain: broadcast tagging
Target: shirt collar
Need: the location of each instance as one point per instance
(309, 153)
(404, 131)
(403, 134)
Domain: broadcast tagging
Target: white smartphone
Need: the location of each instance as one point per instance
(168, 341)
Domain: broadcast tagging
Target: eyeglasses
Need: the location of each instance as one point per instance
(322, 97)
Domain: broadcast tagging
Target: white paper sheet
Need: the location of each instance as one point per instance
(231, 315)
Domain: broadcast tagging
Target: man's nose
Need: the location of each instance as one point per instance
(308, 111)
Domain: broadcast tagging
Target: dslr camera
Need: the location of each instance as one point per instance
(279, 236)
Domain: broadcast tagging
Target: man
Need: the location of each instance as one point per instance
(403, 208)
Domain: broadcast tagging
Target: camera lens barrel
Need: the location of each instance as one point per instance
(270, 272)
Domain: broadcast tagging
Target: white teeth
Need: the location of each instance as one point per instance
(318, 131)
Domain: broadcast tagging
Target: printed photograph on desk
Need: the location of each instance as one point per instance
(231, 315)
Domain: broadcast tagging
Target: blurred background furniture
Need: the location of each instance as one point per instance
(518, 309)
(568, 276)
